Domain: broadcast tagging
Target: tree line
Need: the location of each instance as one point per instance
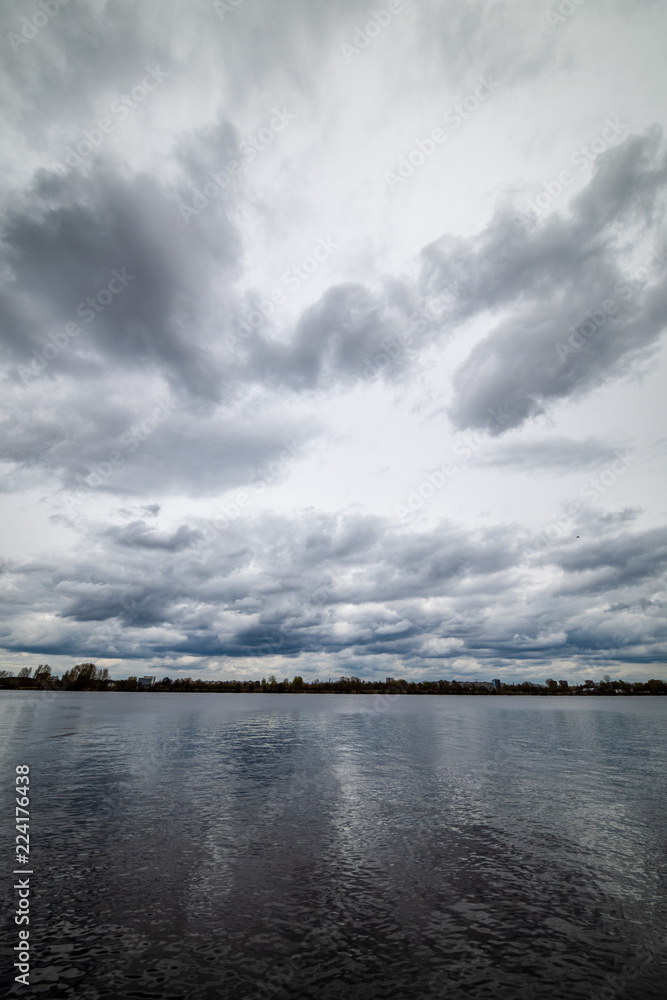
(88, 677)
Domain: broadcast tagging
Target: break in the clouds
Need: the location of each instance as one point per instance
(332, 337)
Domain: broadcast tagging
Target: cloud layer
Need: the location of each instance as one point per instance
(230, 349)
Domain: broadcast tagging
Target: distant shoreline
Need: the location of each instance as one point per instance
(93, 680)
(414, 694)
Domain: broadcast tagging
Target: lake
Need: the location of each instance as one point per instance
(339, 846)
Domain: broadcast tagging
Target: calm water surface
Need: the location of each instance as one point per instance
(274, 846)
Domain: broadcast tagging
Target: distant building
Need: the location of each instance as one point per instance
(496, 683)
(146, 682)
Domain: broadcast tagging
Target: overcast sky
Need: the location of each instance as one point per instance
(332, 338)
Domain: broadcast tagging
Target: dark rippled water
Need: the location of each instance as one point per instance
(274, 846)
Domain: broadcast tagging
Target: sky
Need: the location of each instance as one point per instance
(331, 338)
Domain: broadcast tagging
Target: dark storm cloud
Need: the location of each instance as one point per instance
(553, 278)
(574, 313)
(130, 439)
(81, 241)
(109, 296)
(548, 276)
(604, 566)
(336, 339)
(138, 534)
(330, 585)
(112, 257)
(106, 282)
